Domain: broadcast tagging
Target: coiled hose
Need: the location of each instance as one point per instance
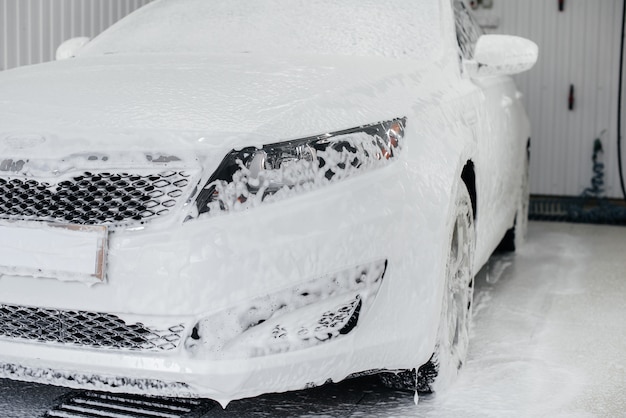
(597, 180)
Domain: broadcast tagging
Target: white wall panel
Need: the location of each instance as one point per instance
(578, 46)
(31, 30)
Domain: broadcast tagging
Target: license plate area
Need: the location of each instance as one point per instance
(61, 251)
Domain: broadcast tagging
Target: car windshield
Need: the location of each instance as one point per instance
(391, 28)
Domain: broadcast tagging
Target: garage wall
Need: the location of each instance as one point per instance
(31, 30)
(578, 46)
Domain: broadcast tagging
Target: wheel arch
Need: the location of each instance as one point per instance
(468, 175)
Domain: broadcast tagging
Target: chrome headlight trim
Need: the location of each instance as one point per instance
(252, 176)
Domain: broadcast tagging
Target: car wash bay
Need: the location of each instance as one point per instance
(548, 336)
(547, 340)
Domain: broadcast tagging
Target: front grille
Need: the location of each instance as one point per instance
(93, 198)
(85, 329)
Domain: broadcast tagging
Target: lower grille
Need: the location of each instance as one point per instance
(93, 198)
(82, 404)
(85, 329)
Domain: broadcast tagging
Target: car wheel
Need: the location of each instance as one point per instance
(515, 237)
(453, 333)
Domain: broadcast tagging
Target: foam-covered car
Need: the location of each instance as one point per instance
(230, 197)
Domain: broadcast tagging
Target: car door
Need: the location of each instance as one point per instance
(496, 179)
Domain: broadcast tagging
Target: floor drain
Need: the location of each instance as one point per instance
(108, 405)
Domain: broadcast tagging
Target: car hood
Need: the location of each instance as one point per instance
(225, 102)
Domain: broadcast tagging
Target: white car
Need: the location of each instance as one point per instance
(231, 197)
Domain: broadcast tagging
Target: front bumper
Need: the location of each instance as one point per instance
(206, 267)
(222, 381)
(225, 357)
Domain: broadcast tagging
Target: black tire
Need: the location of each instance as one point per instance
(453, 334)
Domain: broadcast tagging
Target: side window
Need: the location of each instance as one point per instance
(467, 29)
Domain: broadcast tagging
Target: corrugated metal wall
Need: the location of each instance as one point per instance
(578, 46)
(31, 30)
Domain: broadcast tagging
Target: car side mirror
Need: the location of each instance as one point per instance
(69, 48)
(501, 55)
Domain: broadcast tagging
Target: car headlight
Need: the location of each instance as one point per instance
(252, 176)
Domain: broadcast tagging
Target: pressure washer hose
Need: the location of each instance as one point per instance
(597, 180)
(619, 103)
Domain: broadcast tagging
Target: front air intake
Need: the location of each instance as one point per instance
(84, 329)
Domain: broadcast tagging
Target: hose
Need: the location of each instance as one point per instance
(619, 103)
(597, 180)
